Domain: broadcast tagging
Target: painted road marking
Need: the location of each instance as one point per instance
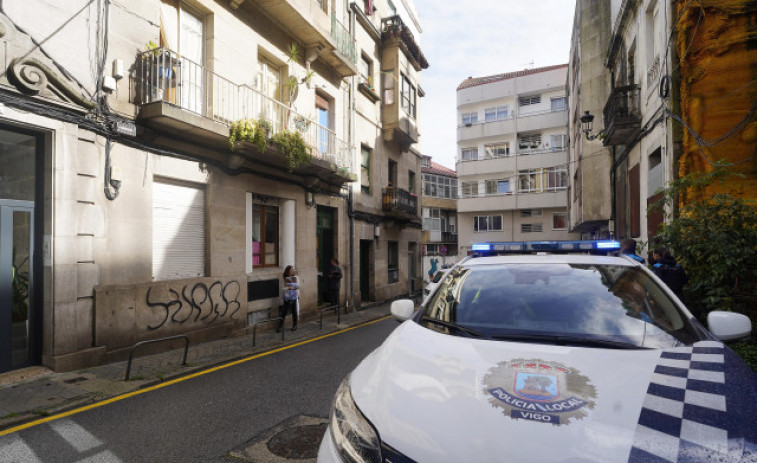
(14, 449)
(76, 411)
(78, 437)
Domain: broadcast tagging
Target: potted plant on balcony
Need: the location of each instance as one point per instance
(293, 147)
(255, 131)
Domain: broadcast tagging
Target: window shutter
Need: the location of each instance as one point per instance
(178, 231)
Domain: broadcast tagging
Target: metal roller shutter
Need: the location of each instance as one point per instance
(178, 233)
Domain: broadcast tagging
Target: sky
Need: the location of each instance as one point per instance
(479, 38)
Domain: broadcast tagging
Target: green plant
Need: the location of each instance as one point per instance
(714, 238)
(747, 350)
(152, 46)
(293, 147)
(249, 130)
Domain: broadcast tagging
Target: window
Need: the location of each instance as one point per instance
(425, 162)
(497, 187)
(558, 142)
(559, 104)
(529, 100)
(556, 179)
(559, 221)
(178, 216)
(531, 213)
(432, 219)
(498, 150)
(530, 228)
(392, 173)
(366, 70)
(183, 31)
(487, 223)
(393, 259)
(529, 141)
(365, 170)
(469, 118)
(499, 113)
(411, 181)
(470, 189)
(470, 154)
(265, 236)
(322, 129)
(529, 181)
(408, 96)
(439, 186)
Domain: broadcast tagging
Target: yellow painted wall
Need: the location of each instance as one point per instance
(717, 48)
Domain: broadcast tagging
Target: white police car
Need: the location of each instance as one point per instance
(549, 358)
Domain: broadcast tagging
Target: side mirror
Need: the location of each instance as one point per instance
(728, 326)
(402, 309)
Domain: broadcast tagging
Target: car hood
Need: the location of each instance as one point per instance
(440, 398)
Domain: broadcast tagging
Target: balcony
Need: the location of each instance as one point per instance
(399, 203)
(178, 96)
(309, 23)
(622, 115)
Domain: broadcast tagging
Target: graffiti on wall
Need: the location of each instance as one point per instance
(206, 303)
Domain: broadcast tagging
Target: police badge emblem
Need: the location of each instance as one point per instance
(538, 390)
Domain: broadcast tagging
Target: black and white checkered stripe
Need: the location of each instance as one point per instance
(685, 415)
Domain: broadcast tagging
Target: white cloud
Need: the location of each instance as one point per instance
(479, 38)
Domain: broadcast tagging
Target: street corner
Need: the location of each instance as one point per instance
(296, 439)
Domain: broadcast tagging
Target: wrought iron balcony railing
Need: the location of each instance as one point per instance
(398, 200)
(622, 114)
(163, 75)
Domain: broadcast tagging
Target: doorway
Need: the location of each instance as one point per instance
(366, 246)
(326, 248)
(20, 153)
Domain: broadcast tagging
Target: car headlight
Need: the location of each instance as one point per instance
(354, 436)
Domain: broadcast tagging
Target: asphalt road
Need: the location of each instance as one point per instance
(202, 418)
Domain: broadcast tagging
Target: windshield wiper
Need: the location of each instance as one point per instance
(455, 326)
(567, 341)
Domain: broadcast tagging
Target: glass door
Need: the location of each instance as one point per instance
(16, 257)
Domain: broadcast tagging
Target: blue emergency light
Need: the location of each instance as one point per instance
(514, 247)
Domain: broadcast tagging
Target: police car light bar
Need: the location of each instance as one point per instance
(598, 246)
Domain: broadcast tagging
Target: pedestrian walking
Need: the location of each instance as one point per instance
(334, 273)
(628, 248)
(291, 296)
(669, 271)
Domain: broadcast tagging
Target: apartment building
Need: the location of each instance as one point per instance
(439, 211)
(512, 162)
(386, 231)
(591, 191)
(160, 174)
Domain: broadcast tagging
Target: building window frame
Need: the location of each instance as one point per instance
(265, 221)
(487, 223)
(366, 154)
(393, 259)
(559, 221)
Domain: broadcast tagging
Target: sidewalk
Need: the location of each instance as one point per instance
(36, 392)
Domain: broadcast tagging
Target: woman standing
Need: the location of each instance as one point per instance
(291, 294)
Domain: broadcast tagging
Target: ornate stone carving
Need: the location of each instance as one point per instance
(33, 73)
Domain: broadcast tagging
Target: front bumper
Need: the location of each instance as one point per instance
(327, 452)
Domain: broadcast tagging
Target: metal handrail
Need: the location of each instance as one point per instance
(149, 341)
(331, 307)
(255, 328)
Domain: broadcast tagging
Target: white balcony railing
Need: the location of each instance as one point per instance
(163, 75)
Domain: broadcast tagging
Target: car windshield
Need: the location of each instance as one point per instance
(572, 304)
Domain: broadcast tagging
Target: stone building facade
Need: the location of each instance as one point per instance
(128, 214)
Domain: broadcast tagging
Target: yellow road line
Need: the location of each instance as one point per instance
(75, 411)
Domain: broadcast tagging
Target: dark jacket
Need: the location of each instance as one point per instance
(334, 274)
(671, 272)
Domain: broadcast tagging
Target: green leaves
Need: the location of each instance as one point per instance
(249, 130)
(715, 239)
(293, 147)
